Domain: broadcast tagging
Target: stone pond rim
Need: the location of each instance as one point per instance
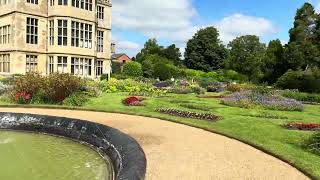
(126, 155)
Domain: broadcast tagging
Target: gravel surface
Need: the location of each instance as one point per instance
(180, 152)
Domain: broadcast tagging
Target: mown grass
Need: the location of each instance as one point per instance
(258, 127)
(265, 133)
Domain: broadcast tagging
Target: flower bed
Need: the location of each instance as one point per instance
(188, 114)
(132, 101)
(252, 99)
(302, 126)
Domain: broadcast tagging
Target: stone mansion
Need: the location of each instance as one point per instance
(47, 36)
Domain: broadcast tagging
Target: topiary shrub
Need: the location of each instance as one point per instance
(132, 69)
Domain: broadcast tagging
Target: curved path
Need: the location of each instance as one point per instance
(180, 152)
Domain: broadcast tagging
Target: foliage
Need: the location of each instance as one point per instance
(3, 88)
(246, 54)
(253, 99)
(151, 47)
(191, 73)
(304, 81)
(304, 97)
(205, 51)
(30, 83)
(274, 65)
(165, 71)
(127, 85)
(240, 87)
(173, 54)
(78, 98)
(132, 101)
(104, 77)
(116, 67)
(302, 126)
(132, 69)
(188, 114)
(40, 98)
(313, 143)
(60, 86)
(230, 75)
(22, 97)
(195, 106)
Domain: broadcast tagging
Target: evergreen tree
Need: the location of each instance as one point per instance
(205, 51)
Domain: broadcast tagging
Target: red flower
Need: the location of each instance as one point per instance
(24, 96)
(303, 126)
(131, 101)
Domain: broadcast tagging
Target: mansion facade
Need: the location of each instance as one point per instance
(48, 36)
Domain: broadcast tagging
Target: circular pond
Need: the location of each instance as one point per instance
(38, 156)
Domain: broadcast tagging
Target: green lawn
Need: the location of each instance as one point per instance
(266, 134)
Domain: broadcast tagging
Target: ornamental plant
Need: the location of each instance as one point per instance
(22, 97)
(302, 126)
(313, 143)
(267, 100)
(132, 101)
(188, 114)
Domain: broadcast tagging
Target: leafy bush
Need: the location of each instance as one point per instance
(127, 85)
(188, 114)
(22, 97)
(252, 99)
(104, 77)
(40, 98)
(30, 83)
(231, 75)
(132, 69)
(304, 81)
(313, 143)
(76, 99)
(116, 67)
(304, 97)
(3, 88)
(240, 87)
(165, 71)
(191, 73)
(60, 86)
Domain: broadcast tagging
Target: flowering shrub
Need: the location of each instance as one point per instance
(303, 126)
(187, 114)
(132, 101)
(252, 99)
(22, 97)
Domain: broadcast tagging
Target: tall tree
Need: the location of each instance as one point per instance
(274, 64)
(172, 53)
(151, 47)
(303, 38)
(246, 54)
(205, 51)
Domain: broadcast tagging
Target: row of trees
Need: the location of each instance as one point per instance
(245, 54)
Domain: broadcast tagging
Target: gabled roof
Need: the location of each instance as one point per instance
(116, 56)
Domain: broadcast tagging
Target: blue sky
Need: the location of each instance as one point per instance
(175, 21)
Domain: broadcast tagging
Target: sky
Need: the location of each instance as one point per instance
(176, 21)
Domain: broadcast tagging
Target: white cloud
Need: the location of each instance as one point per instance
(125, 46)
(156, 18)
(236, 25)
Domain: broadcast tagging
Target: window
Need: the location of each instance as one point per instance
(51, 2)
(51, 32)
(5, 34)
(99, 68)
(63, 2)
(51, 65)
(81, 35)
(75, 33)
(82, 4)
(32, 31)
(62, 32)
(62, 64)
(32, 1)
(32, 63)
(4, 2)
(81, 66)
(99, 41)
(5, 63)
(100, 12)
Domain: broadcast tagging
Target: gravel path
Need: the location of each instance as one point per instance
(180, 152)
